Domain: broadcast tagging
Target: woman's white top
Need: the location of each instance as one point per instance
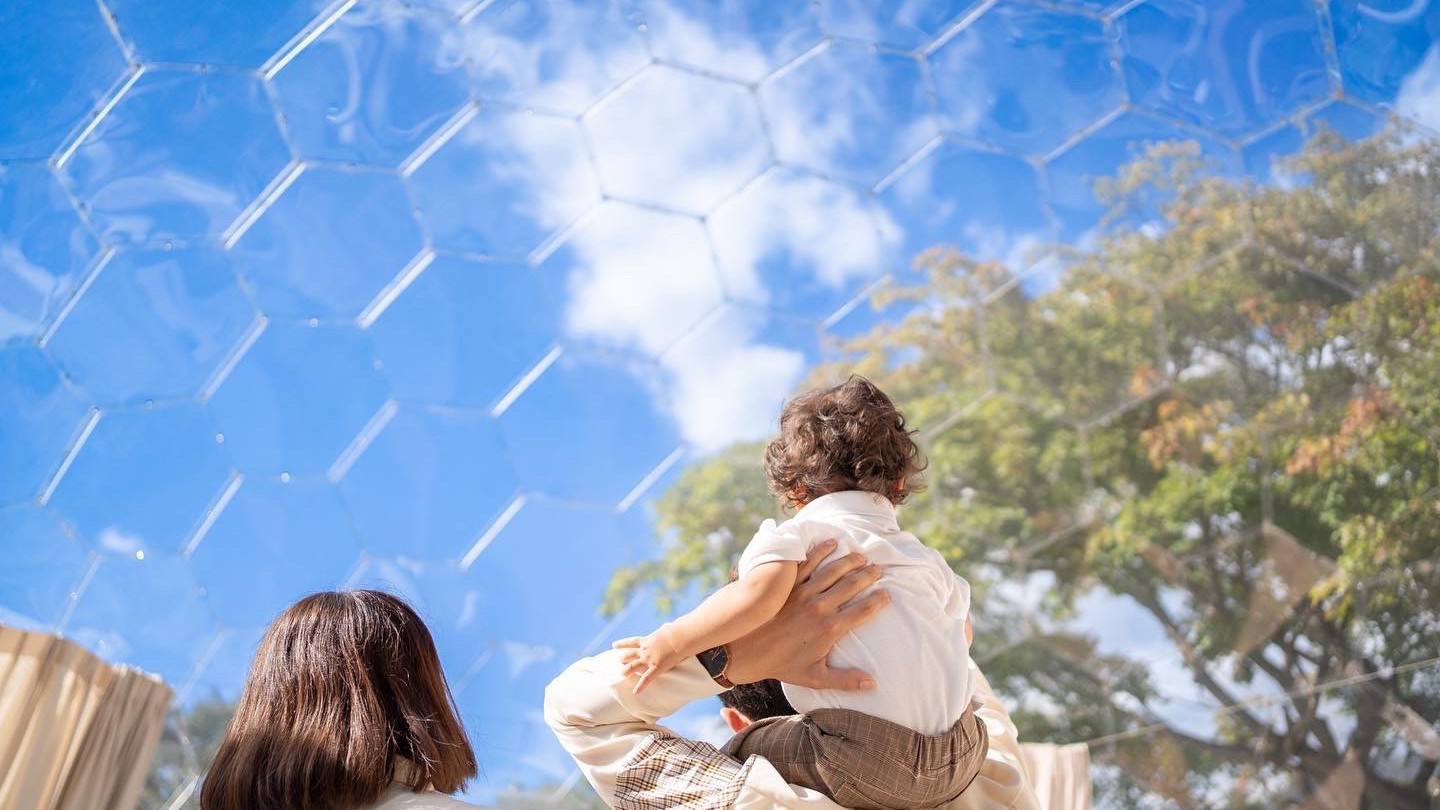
(915, 648)
(400, 796)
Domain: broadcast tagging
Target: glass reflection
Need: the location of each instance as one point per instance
(179, 156)
(45, 245)
(303, 400)
(374, 85)
(154, 324)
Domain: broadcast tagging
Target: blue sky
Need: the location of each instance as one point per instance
(439, 296)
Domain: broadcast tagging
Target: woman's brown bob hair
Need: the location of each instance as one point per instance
(345, 696)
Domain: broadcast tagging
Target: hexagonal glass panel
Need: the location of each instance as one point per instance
(988, 204)
(636, 278)
(215, 684)
(1177, 51)
(654, 143)
(1387, 50)
(460, 611)
(902, 24)
(535, 571)
(144, 479)
(40, 416)
(1026, 78)
(465, 332)
(48, 98)
(44, 567)
(273, 542)
(848, 111)
(181, 155)
(555, 451)
(155, 324)
(1073, 176)
(375, 84)
(244, 34)
(45, 245)
(299, 398)
(506, 181)
(552, 54)
(729, 377)
(739, 39)
(329, 244)
(800, 244)
(429, 484)
(1265, 158)
(108, 616)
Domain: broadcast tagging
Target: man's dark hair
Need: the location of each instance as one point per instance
(850, 436)
(758, 700)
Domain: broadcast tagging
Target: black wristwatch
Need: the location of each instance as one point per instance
(715, 660)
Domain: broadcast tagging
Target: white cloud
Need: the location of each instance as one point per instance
(116, 541)
(727, 385)
(520, 657)
(824, 227)
(1419, 97)
(726, 51)
(585, 49)
(678, 139)
(642, 278)
(539, 152)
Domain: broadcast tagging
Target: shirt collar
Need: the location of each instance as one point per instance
(851, 502)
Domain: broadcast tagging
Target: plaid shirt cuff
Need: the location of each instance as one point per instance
(670, 771)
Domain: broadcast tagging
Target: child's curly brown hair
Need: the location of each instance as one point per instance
(850, 436)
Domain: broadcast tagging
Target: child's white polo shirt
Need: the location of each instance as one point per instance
(915, 648)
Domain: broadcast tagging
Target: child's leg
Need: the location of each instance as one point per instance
(867, 763)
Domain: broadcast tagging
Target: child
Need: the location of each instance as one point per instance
(845, 458)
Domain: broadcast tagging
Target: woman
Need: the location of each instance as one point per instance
(345, 707)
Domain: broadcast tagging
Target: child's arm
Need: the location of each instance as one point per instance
(729, 613)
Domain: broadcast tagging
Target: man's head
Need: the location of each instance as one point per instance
(748, 702)
(849, 436)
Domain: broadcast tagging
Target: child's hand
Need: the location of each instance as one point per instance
(648, 657)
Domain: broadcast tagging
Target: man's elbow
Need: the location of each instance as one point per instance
(563, 709)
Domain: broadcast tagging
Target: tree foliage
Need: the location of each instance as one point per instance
(1221, 415)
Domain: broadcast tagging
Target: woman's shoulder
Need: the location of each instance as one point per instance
(401, 797)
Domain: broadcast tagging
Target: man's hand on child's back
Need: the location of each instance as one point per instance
(826, 603)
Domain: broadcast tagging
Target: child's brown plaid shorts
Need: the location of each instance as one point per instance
(867, 763)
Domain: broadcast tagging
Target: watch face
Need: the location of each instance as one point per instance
(714, 660)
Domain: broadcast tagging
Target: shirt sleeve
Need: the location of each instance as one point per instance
(957, 600)
(636, 764)
(773, 543)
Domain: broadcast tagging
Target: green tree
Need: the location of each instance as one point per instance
(1223, 414)
(186, 747)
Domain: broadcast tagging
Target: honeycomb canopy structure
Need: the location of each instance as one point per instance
(444, 296)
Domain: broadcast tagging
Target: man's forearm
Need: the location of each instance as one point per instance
(637, 764)
(612, 732)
